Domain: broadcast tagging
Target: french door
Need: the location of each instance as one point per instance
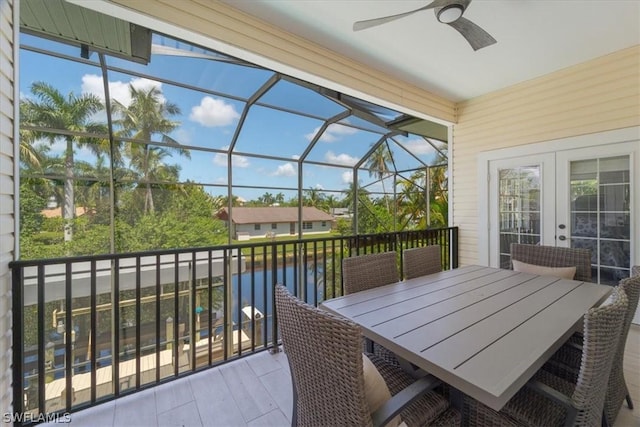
(580, 198)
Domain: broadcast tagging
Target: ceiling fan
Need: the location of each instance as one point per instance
(447, 12)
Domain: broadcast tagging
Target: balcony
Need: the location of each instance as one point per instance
(256, 391)
(141, 320)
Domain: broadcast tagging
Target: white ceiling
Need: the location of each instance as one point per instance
(535, 37)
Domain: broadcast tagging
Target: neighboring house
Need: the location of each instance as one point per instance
(341, 213)
(251, 223)
(57, 212)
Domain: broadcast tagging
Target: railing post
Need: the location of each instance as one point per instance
(18, 342)
(275, 348)
(115, 326)
(228, 303)
(169, 332)
(454, 247)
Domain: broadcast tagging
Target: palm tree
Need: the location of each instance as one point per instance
(377, 163)
(266, 199)
(28, 153)
(40, 175)
(330, 202)
(412, 202)
(313, 197)
(153, 171)
(51, 109)
(147, 115)
(279, 198)
(350, 195)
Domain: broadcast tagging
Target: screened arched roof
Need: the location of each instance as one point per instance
(239, 131)
(266, 123)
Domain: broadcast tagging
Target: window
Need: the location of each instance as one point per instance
(324, 223)
(274, 226)
(256, 227)
(307, 225)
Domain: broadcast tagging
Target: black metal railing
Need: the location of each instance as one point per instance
(89, 329)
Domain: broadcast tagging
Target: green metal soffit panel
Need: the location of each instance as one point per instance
(420, 127)
(86, 28)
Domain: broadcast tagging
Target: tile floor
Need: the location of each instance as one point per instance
(256, 391)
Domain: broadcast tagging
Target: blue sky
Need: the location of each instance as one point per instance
(209, 120)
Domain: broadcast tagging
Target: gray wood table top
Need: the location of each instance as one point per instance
(484, 331)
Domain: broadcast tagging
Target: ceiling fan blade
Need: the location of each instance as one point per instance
(362, 25)
(476, 36)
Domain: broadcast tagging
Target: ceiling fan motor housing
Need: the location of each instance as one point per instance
(450, 12)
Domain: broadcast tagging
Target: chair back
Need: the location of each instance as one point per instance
(602, 328)
(421, 261)
(325, 359)
(617, 388)
(364, 272)
(553, 256)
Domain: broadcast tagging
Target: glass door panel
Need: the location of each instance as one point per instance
(521, 200)
(519, 208)
(599, 210)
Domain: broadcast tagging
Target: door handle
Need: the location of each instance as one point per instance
(562, 238)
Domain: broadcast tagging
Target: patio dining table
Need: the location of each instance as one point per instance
(484, 331)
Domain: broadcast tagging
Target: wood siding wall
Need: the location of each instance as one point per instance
(595, 96)
(233, 27)
(6, 197)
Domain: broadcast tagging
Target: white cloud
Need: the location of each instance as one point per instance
(286, 169)
(418, 146)
(318, 186)
(92, 84)
(333, 133)
(295, 156)
(340, 159)
(310, 135)
(118, 90)
(220, 159)
(338, 129)
(347, 177)
(240, 161)
(214, 112)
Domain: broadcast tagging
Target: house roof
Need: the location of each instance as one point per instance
(57, 212)
(264, 215)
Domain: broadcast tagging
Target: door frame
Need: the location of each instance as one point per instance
(631, 135)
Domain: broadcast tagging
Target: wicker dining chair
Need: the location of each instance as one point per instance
(566, 361)
(549, 400)
(364, 272)
(326, 363)
(421, 261)
(552, 256)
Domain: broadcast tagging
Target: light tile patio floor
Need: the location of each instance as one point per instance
(256, 391)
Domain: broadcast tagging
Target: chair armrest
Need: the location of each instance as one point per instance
(401, 400)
